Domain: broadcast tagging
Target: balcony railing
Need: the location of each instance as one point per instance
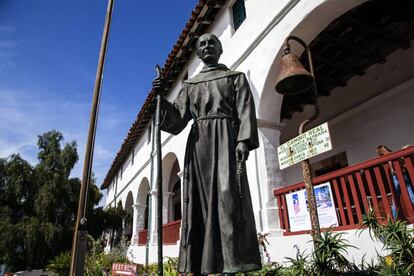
(362, 187)
(170, 233)
(142, 237)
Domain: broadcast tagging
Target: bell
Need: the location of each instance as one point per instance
(293, 77)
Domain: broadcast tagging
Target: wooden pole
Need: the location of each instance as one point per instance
(80, 232)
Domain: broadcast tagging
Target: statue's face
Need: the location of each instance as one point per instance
(209, 49)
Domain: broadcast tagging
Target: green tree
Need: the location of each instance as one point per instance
(113, 222)
(38, 204)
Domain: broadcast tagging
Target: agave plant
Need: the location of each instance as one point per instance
(388, 267)
(398, 240)
(328, 257)
(370, 222)
(269, 269)
(298, 265)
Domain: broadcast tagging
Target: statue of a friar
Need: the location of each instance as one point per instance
(218, 228)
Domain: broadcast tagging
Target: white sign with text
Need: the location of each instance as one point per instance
(302, 147)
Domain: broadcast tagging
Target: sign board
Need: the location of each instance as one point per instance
(302, 147)
(124, 269)
(297, 205)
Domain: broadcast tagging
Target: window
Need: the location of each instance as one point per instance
(176, 201)
(239, 13)
(330, 164)
(146, 214)
(133, 156)
(149, 133)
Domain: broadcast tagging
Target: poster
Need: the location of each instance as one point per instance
(299, 218)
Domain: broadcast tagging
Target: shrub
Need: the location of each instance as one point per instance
(60, 264)
(96, 261)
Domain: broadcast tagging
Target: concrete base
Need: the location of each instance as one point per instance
(137, 253)
(281, 247)
(284, 246)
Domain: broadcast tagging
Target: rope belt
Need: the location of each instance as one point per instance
(215, 116)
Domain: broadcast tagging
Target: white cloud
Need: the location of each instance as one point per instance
(25, 115)
(7, 49)
(6, 29)
(7, 44)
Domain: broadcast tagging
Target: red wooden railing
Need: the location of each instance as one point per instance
(142, 237)
(359, 188)
(171, 232)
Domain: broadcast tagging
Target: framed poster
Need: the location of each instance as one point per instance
(299, 218)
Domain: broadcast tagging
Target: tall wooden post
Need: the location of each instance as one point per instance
(80, 232)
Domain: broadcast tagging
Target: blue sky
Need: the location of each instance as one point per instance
(48, 57)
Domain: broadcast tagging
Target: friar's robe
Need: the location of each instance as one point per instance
(218, 232)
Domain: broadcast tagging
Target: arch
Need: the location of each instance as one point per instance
(143, 204)
(314, 22)
(176, 201)
(359, 91)
(306, 22)
(172, 186)
(168, 162)
(129, 215)
(143, 190)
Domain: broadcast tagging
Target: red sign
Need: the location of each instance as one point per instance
(124, 269)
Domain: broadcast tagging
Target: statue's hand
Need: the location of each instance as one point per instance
(158, 85)
(242, 152)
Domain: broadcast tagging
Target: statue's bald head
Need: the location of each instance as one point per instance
(209, 48)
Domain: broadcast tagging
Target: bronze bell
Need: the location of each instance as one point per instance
(293, 77)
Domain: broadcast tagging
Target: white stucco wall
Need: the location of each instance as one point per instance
(255, 50)
(384, 119)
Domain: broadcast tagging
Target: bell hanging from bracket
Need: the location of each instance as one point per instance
(293, 78)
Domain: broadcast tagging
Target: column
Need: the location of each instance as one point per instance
(272, 176)
(166, 208)
(180, 174)
(166, 196)
(153, 221)
(134, 239)
(139, 221)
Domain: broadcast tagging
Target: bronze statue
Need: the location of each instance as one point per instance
(218, 228)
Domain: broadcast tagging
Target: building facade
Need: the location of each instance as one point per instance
(363, 66)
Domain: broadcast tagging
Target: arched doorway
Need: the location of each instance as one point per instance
(171, 198)
(175, 203)
(359, 58)
(142, 209)
(363, 68)
(171, 187)
(338, 31)
(129, 214)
